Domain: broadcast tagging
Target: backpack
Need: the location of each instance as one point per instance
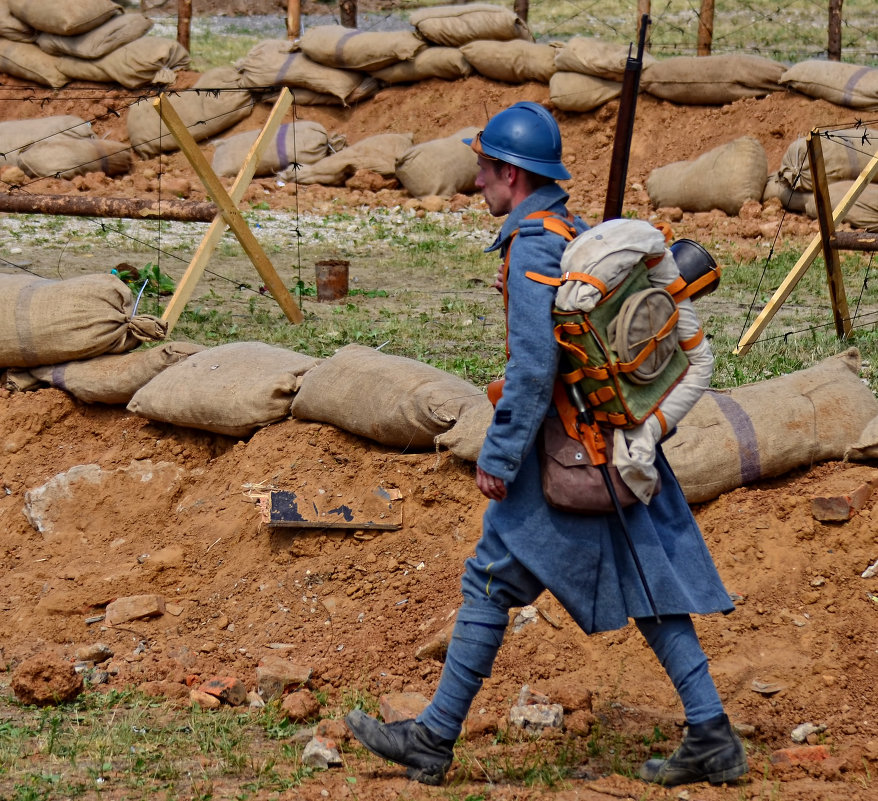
(621, 348)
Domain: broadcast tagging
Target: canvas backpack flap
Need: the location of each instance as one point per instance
(644, 333)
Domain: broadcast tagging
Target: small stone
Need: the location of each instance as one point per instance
(801, 755)
(276, 675)
(96, 653)
(401, 706)
(134, 607)
(804, 730)
(536, 717)
(321, 753)
(46, 679)
(228, 689)
(204, 700)
(300, 706)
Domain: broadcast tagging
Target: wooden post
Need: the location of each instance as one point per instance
(837, 296)
(643, 8)
(184, 22)
(705, 28)
(521, 9)
(227, 206)
(833, 49)
(348, 12)
(294, 19)
(805, 260)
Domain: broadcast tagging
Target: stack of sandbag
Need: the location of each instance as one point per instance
(51, 42)
(846, 153)
(390, 399)
(712, 80)
(736, 436)
(279, 62)
(378, 154)
(848, 85)
(50, 322)
(232, 389)
(214, 104)
(440, 167)
(112, 379)
(723, 178)
(300, 142)
(589, 73)
(863, 214)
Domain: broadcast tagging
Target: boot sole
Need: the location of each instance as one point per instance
(729, 776)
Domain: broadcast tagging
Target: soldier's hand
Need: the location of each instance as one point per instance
(490, 486)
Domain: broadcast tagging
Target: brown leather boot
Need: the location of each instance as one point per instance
(406, 742)
(710, 752)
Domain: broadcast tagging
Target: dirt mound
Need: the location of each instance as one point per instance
(172, 512)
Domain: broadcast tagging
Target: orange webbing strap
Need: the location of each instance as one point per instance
(666, 230)
(693, 341)
(590, 436)
(585, 278)
(630, 367)
(662, 421)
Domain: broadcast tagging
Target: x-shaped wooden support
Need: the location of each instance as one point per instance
(229, 215)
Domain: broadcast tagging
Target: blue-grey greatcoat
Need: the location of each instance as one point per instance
(583, 560)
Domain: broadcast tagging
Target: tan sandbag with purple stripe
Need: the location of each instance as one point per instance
(848, 85)
(352, 49)
(114, 378)
(736, 436)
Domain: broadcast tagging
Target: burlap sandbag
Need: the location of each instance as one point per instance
(15, 135)
(843, 84)
(454, 26)
(863, 214)
(441, 167)
(205, 113)
(733, 437)
(375, 153)
(64, 18)
(846, 153)
(352, 49)
(391, 399)
(27, 61)
(49, 322)
(466, 437)
(302, 142)
(791, 199)
(147, 60)
(865, 448)
(231, 389)
(12, 28)
(114, 379)
(104, 39)
(712, 80)
(275, 62)
(595, 57)
(514, 61)
(723, 178)
(447, 63)
(575, 91)
(66, 157)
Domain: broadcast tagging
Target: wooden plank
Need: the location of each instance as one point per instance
(228, 208)
(217, 228)
(837, 297)
(805, 261)
(377, 510)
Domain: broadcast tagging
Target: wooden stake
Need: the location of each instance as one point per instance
(294, 19)
(705, 28)
(837, 296)
(184, 22)
(805, 260)
(228, 208)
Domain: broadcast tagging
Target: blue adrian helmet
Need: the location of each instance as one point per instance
(525, 135)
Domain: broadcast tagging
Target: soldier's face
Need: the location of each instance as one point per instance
(493, 181)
